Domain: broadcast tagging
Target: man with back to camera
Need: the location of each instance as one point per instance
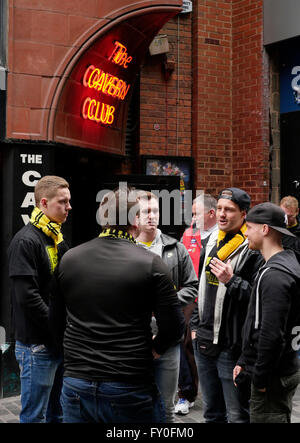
(178, 261)
(33, 255)
(109, 288)
(195, 239)
(269, 354)
(224, 289)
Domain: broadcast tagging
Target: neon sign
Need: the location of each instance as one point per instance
(97, 111)
(107, 84)
(120, 56)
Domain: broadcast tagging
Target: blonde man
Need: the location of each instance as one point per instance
(33, 255)
(290, 206)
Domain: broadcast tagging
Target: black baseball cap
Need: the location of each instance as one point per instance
(238, 196)
(271, 215)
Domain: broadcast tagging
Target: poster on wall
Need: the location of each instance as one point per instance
(171, 166)
(181, 167)
(290, 81)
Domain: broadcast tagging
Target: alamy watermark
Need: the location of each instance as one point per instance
(176, 207)
(296, 339)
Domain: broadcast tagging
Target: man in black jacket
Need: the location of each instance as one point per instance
(224, 290)
(33, 255)
(269, 349)
(109, 287)
(176, 257)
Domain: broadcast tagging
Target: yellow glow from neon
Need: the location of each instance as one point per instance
(97, 111)
(95, 78)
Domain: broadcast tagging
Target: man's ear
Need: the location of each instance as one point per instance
(136, 221)
(43, 203)
(265, 229)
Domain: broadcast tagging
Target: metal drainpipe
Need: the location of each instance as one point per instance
(177, 92)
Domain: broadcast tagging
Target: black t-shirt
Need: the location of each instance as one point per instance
(32, 260)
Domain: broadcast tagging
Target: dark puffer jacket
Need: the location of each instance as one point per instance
(178, 260)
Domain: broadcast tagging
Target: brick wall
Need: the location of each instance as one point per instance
(43, 38)
(166, 98)
(250, 134)
(212, 143)
(225, 96)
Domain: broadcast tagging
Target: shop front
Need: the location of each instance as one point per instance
(70, 118)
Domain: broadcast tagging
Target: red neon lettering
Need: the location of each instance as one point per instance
(120, 55)
(97, 111)
(99, 79)
(106, 83)
(85, 81)
(84, 106)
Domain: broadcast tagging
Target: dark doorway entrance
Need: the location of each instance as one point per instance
(84, 170)
(290, 154)
(89, 172)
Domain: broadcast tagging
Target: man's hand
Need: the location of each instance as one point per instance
(155, 354)
(223, 271)
(237, 369)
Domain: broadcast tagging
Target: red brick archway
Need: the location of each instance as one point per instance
(68, 122)
(46, 39)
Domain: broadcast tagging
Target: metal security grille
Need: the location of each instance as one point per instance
(133, 122)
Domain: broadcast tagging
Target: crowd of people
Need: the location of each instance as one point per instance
(111, 330)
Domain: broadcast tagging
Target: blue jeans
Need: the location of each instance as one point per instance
(166, 369)
(221, 399)
(86, 401)
(41, 381)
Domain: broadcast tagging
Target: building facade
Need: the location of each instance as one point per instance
(203, 93)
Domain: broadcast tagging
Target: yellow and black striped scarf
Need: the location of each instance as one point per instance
(228, 243)
(50, 228)
(117, 233)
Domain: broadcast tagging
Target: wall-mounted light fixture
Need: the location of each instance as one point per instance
(159, 45)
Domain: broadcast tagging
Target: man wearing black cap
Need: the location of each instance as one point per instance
(269, 346)
(224, 290)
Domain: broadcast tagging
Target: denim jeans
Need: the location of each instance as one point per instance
(274, 405)
(166, 369)
(221, 399)
(86, 401)
(41, 382)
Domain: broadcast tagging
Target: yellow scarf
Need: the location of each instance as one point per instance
(117, 233)
(231, 244)
(50, 228)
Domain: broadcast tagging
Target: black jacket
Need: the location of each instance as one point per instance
(110, 287)
(289, 242)
(31, 263)
(225, 329)
(274, 310)
(178, 260)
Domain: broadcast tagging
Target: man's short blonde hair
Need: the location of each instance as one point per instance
(48, 186)
(289, 202)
